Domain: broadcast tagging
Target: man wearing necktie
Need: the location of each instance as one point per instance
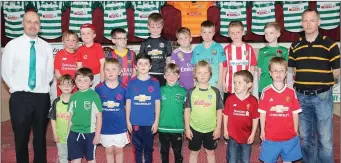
(27, 69)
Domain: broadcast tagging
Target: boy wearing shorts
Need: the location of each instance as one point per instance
(86, 119)
(279, 108)
(114, 135)
(203, 114)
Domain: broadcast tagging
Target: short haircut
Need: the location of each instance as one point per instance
(66, 78)
(207, 24)
(202, 63)
(183, 30)
(278, 60)
(236, 23)
(115, 31)
(247, 76)
(174, 68)
(113, 61)
(68, 33)
(274, 25)
(311, 10)
(84, 71)
(143, 56)
(155, 17)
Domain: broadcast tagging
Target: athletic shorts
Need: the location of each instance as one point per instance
(289, 150)
(81, 145)
(117, 140)
(199, 139)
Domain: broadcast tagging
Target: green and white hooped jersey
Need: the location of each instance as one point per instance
(80, 13)
(115, 16)
(141, 12)
(292, 11)
(330, 14)
(50, 13)
(14, 13)
(262, 13)
(230, 11)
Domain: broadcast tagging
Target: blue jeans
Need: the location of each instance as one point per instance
(236, 152)
(316, 119)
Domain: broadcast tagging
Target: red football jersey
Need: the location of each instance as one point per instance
(65, 62)
(237, 58)
(240, 115)
(90, 56)
(279, 107)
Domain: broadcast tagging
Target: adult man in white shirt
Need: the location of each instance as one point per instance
(27, 69)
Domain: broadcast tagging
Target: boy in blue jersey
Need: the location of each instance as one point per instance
(114, 128)
(212, 52)
(143, 108)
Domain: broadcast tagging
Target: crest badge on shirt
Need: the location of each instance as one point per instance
(85, 56)
(119, 97)
(87, 105)
(246, 52)
(181, 56)
(214, 52)
(209, 97)
(150, 89)
(287, 99)
(279, 52)
(162, 45)
(129, 62)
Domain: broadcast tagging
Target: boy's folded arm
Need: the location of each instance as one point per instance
(187, 115)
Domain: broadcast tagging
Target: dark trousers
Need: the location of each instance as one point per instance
(29, 110)
(174, 139)
(143, 139)
(160, 78)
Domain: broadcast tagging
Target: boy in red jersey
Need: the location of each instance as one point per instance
(125, 56)
(90, 54)
(279, 108)
(240, 118)
(65, 61)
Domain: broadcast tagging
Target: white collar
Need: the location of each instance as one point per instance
(30, 39)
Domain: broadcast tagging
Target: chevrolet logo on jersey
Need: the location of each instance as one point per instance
(111, 104)
(142, 98)
(155, 52)
(279, 108)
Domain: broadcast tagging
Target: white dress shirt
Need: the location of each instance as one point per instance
(15, 64)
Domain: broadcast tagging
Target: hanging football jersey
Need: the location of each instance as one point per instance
(115, 16)
(14, 13)
(80, 13)
(192, 14)
(329, 14)
(231, 11)
(292, 11)
(262, 13)
(50, 13)
(141, 12)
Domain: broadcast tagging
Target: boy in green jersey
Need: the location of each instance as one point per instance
(203, 114)
(85, 109)
(271, 31)
(60, 117)
(171, 123)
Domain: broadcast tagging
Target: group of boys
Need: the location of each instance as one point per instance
(173, 92)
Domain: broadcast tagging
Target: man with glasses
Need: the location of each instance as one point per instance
(27, 69)
(315, 60)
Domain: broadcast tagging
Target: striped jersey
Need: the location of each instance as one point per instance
(237, 58)
(50, 13)
(330, 14)
(231, 11)
(292, 11)
(14, 13)
(262, 13)
(141, 12)
(115, 16)
(80, 13)
(192, 14)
